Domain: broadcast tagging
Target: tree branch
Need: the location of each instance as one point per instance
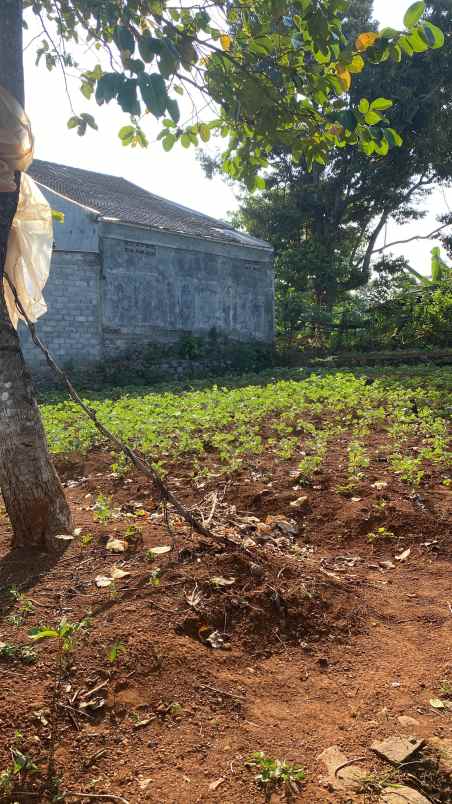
(415, 237)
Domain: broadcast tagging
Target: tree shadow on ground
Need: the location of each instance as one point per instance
(23, 569)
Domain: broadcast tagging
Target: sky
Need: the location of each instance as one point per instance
(176, 175)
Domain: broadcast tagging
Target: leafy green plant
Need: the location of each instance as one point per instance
(409, 469)
(20, 653)
(86, 539)
(154, 578)
(274, 773)
(115, 651)
(25, 605)
(357, 460)
(16, 773)
(445, 688)
(381, 534)
(121, 466)
(103, 511)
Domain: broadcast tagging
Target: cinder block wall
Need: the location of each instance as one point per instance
(146, 286)
(157, 286)
(71, 328)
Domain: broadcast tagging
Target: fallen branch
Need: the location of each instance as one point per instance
(145, 468)
(105, 796)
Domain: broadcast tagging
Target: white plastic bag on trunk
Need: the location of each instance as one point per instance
(31, 236)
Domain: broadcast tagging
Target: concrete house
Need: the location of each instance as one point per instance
(130, 268)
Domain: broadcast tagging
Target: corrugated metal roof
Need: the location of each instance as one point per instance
(115, 198)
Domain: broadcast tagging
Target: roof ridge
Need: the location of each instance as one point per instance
(116, 197)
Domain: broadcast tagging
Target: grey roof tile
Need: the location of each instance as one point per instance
(116, 198)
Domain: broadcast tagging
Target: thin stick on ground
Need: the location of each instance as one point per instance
(145, 468)
(105, 796)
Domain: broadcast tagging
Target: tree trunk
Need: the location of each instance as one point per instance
(33, 495)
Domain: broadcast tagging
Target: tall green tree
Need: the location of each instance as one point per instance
(324, 223)
(280, 73)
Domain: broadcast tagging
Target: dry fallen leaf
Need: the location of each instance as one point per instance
(437, 703)
(159, 551)
(116, 545)
(77, 531)
(117, 572)
(403, 556)
(102, 580)
(218, 580)
(379, 484)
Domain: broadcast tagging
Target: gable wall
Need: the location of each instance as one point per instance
(79, 232)
(114, 288)
(158, 286)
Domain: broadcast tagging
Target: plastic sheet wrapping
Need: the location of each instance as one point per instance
(31, 237)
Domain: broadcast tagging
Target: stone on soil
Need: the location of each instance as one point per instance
(408, 722)
(402, 795)
(349, 778)
(397, 749)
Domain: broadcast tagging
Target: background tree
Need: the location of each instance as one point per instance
(324, 222)
(282, 80)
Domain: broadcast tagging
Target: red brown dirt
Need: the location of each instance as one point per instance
(319, 652)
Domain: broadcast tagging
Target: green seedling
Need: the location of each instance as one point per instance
(381, 534)
(20, 653)
(24, 603)
(115, 651)
(274, 773)
(103, 511)
(445, 688)
(86, 539)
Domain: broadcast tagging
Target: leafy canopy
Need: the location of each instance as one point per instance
(279, 72)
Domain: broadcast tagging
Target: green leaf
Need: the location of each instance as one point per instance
(57, 216)
(364, 106)
(108, 87)
(43, 633)
(413, 14)
(125, 39)
(433, 35)
(204, 132)
(260, 183)
(125, 132)
(173, 108)
(417, 43)
(169, 141)
(406, 46)
(89, 120)
(153, 92)
(127, 97)
(87, 89)
(185, 141)
(380, 104)
(372, 118)
(149, 47)
(393, 137)
(73, 122)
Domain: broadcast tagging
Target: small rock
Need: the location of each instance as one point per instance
(408, 722)
(299, 503)
(402, 795)
(397, 749)
(341, 778)
(144, 783)
(215, 785)
(444, 749)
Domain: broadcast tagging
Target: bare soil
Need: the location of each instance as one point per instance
(322, 645)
